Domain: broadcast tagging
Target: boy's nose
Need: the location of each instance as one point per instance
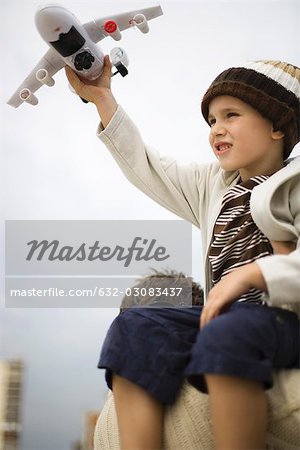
(218, 129)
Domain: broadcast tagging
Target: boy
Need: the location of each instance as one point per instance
(253, 114)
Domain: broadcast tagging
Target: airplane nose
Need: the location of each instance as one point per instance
(42, 7)
(46, 20)
(46, 5)
(40, 14)
(39, 8)
(52, 20)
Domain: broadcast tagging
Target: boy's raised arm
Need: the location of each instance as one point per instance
(97, 91)
(179, 188)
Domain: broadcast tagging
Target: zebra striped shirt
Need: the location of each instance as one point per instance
(236, 239)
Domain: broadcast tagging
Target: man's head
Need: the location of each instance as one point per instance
(270, 87)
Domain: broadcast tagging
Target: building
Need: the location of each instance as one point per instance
(11, 378)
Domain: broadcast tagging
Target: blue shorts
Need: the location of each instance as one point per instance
(158, 348)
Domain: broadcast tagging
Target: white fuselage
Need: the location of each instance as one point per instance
(62, 31)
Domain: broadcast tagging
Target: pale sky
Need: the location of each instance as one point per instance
(54, 167)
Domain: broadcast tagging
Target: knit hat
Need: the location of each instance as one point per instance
(270, 87)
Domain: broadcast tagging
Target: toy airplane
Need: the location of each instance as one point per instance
(74, 44)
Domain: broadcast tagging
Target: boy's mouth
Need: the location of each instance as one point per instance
(222, 147)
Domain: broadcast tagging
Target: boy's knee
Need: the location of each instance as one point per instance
(231, 331)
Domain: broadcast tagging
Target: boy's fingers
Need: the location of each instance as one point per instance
(107, 60)
(107, 66)
(73, 79)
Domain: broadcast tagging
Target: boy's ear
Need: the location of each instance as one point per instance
(277, 134)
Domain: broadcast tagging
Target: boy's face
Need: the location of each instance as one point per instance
(242, 139)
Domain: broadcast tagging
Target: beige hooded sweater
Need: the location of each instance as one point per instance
(194, 192)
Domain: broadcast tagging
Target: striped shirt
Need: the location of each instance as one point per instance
(236, 239)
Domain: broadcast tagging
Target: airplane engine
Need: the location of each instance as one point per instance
(120, 60)
(112, 30)
(27, 96)
(118, 55)
(141, 23)
(43, 76)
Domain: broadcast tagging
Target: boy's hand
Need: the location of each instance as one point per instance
(97, 91)
(92, 90)
(230, 289)
(283, 248)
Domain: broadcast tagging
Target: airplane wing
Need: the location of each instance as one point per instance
(51, 62)
(95, 28)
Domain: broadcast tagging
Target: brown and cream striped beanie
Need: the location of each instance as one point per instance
(271, 87)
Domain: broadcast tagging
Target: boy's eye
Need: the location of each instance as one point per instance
(232, 114)
(212, 120)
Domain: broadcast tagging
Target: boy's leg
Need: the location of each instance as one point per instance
(237, 352)
(238, 411)
(139, 415)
